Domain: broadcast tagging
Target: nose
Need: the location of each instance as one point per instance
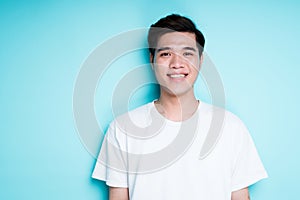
(176, 61)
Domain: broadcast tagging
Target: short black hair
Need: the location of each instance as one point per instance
(173, 23)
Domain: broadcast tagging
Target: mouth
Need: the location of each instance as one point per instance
(177, 75)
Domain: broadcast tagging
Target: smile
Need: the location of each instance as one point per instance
(177, 75)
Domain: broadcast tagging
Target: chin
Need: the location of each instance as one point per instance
(178, 91)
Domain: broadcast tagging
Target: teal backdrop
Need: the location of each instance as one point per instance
(253, 44)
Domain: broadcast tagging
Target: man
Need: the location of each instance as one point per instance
(177, 126)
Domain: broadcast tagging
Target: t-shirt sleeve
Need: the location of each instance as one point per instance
(248, 168)
(111, 162)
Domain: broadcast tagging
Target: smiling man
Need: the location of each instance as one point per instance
(176, 63)
(152, 152)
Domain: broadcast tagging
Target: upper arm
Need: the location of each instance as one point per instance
(242, 194)
(118, 193)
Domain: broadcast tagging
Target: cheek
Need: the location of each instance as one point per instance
(195, 70)
(161, 61)
(159, 71)
(160, 74)
(195, 65)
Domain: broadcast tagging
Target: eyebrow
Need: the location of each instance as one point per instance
(190, 48)
(163, 49)
(169, 48)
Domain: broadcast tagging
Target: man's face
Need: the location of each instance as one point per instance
(176, 62)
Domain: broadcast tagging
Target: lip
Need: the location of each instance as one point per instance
(177, 76)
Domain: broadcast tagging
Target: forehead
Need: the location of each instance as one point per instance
(177, 39)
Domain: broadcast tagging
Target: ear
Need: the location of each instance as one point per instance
(151, 57)
(201, 60)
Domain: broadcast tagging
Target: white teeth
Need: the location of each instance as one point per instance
(177, 75)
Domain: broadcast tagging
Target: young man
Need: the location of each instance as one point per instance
(153, 151)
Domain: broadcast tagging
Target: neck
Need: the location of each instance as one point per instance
(177, 108)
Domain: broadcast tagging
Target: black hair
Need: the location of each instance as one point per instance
(173, 23)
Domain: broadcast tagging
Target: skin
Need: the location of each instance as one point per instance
(116, 193)
(177, 55)
(242, 194)
(176, 65)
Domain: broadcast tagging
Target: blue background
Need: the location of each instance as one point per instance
(254, 45)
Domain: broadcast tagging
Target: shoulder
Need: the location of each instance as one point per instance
(140, 116)
(230, 122)
(212, 110)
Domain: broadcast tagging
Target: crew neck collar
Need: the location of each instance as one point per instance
(195, 114)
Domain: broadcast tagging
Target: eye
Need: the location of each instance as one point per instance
(165, 54)
(188, 53)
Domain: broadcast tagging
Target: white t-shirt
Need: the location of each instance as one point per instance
(205, 157)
